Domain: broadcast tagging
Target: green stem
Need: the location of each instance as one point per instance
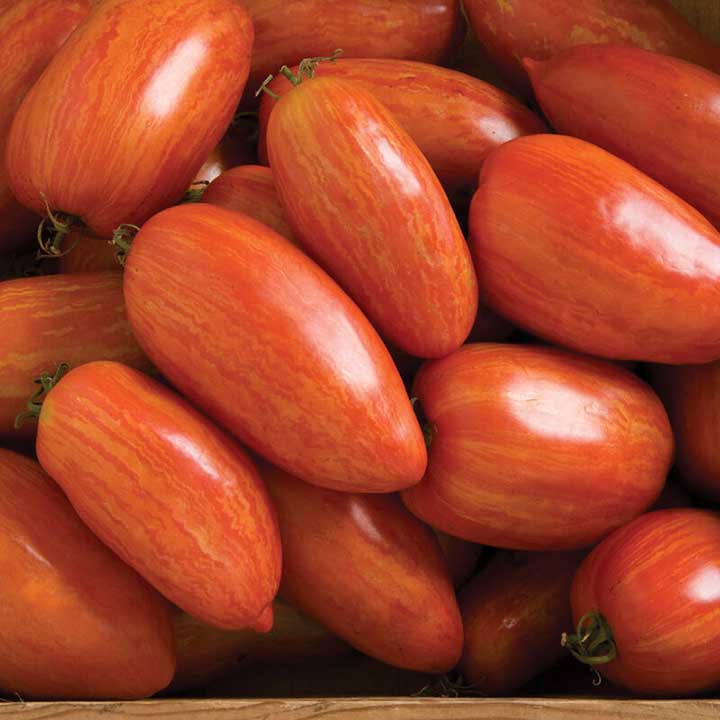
(122, 240)
(306, 71)
(593, 642)
(53, 230)
(47, 382)
(429, 430)
(195, 192)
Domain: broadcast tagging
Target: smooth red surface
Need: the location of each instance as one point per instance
(511, 30)
(75, 621)
(286, 31)
(368, 571)
(364, 202)
(250, 189)
(129, 109)
(31, 31)
(638, 105)
(258, 336)
(513, 613)
(87, 253)
(525, 438)
(454, 119)
(691, 394)
(171, 494)
(657, 582)
(582, 249)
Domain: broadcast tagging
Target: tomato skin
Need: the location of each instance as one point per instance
(99, 629)
(87, 253)
(179, 501)
(523, 435)
(58, 318)
(461, 557)
(301, 377)
(31, 31)
(516, 29)
(250, 189)
(655, 581)
(367, 570)
(572, 244)
(455, 119)
(405, 260)
(513, 612)
(130, 107)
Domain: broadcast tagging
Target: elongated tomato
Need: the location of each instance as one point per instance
(129, 109)
(580, 248)
(461, 557)
(258, 336)
(691, 394)
(87, 253)
(53, 319)
(31, 31)
(455, 119)
(75, 621)
(513, 614)
(637, 104)
(286, 31)
(235, 148)
(250, 189)
(166, 490)
(652, 589)
(520, 438)
(368, 571)
(511, 30)
(375, 217)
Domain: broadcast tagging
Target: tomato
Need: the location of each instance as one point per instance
(636, 104)
(235, 148)
(262, 340)
(651, 591)
(128, 110)
(87, 253)
(367, 570)
(286, 31)
(513, 614)
(455, 119)
(250, 189)
(75, 621)
(461, 557)
(691, 394)
(375, 215)
(520, 437)
(58, 318)
(515, 29)
(31, 31)
(166, 490)
(581, 249)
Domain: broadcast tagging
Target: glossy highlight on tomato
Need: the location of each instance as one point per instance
(367, 570)
(166, 490)
(374, 215)
(129, 109)
(75, 621)
(655, 584)
(523, 439)
(583, 250)
(261, 339)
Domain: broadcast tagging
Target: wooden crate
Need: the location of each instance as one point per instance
(350, 689)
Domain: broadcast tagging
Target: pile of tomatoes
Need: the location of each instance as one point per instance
(412, 386)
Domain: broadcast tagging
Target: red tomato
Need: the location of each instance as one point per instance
(75, 621)
(286, 31)
(260, 338)
(87, 253)
(580, 248)
(166, 490)
(653, 593)
(637, 104)
(368, 571)
(455, 119)
(128, 110)
(513, 614)
(520, 437)
(58, 318)
(250, 189)
(511, 30)
(31, 31)
(691, 394)
(461, 557)
(375, 215)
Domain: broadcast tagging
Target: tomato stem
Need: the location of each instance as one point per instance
(428, 429)
(593, 642)
(122, 240)
(195, 192)
(306, 70)
(47, 382)
(51, 240)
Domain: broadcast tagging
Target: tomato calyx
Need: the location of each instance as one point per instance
(122, 240)
(195, 192)
(52, 231)
(428, 429)
(592, 642)
(306, 71)
(47, 382)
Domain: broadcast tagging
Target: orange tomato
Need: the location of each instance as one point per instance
(87, 253)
